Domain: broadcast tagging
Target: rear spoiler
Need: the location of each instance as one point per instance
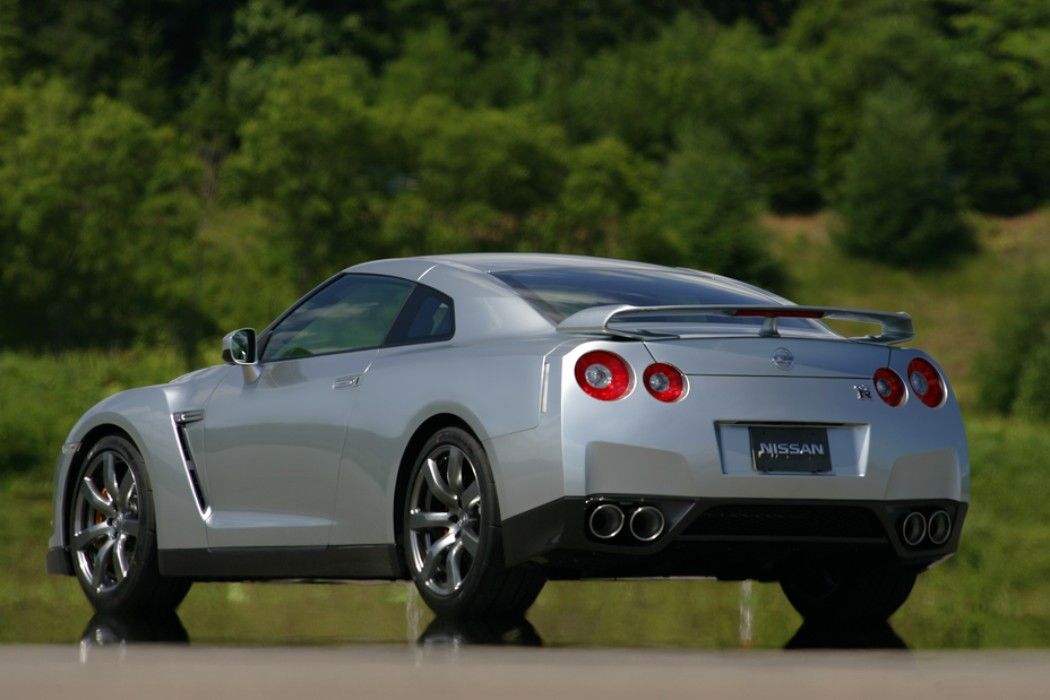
(896, 327)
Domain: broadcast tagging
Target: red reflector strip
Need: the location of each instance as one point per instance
(779, 313)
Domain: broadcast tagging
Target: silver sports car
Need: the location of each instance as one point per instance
(484, 423)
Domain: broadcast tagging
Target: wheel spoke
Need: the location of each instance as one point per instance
(88, 535)
(437, 484)
(109, 475)
(454, 564)
(469, 540)
(471, 496)
(435, 553)
(129, 527)
(120, 558)
(99, 571)
(455, 469)
(127, 485)
(96, 499)
(421, 520)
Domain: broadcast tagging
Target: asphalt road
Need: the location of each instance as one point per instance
(448, 671)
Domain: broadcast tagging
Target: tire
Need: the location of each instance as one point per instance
(828, 595)
(113, 540)
(451, 538)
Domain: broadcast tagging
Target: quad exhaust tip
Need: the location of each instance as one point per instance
(647, 523)
(939, 527)
(606, 521)
(913, 529)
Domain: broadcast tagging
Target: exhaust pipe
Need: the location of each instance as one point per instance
(606, 521)
(913, 529)
(940, 527)
(647, 523)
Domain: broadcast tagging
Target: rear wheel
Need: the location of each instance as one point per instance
(452, 540)
(112, 533)
(828, 594)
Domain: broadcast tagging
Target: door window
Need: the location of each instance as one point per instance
(354, 312)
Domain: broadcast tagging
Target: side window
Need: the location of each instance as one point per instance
(428, 316)
(352, 313)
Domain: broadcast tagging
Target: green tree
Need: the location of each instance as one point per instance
(897, 196)
(320, 163)
(999, 116)
(98, 214)
(600, 206)
(708, 207)
(430, 64)
(474, 179)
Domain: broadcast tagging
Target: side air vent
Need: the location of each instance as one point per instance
(180, 420)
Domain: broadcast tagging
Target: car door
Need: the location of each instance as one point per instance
(273, 436)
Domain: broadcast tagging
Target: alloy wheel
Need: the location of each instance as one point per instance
(444, 519)
(106, 521)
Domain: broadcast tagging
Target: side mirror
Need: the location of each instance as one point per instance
(238, 347)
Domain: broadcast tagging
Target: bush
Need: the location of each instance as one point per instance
(1012, 374)
(1033, 392)
(42, 396)
(897, 196)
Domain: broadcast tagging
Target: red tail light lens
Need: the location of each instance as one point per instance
(664, 382)
(889, 386)
(926, 382)
(603, 375)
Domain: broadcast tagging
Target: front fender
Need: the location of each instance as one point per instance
(145, 416)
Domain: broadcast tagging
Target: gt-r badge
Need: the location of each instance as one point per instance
(782, 358)
(863, 392)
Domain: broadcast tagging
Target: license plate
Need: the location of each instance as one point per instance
(784, 449)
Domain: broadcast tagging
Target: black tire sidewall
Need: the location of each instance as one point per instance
(127, 593)
(489, 550)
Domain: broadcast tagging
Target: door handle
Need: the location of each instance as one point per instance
(347, 382)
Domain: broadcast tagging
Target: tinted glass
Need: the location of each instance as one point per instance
(428, 316)
(352, 313)
(560, 292)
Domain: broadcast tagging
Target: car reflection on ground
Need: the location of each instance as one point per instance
(106, 629)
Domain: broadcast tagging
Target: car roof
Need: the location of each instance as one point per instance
(498, 262)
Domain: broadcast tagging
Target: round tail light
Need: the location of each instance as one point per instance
(926, 382)
(603, 375)
(889, 386)
(664, 382)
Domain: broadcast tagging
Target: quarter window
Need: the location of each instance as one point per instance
(427, 317)
(354, 312)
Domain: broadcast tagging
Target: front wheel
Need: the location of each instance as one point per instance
(834, 595)
(451, 536)
(112, 533)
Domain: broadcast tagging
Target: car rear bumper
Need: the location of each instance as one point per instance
(725, 538)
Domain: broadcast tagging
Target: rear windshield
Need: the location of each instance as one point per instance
(559, 292)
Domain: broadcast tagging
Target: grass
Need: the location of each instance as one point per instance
(994, 593)
(953, 307)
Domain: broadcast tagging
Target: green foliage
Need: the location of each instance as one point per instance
(897, 197)
(318, 159)
(329, 134)
(709, 206)
(98, 213)
(1012, 373)
(43, 395)
(430, 64)
(603, 204)
(1033, 399)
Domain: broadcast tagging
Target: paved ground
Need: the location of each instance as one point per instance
(157, 672)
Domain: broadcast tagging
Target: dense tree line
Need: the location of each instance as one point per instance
(317, 134)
